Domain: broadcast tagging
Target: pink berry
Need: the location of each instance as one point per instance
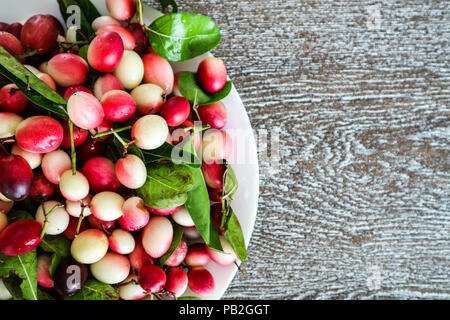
(177, 281)
(131, 171)
(176, 111)
(44, 279)
(177, 257)
(158, 71)
(105, 51)
(12, 99)
(101, 174)
(121, 10)
(85, 110)
(197, 256)
(106, 83)
(121, 241)
(68, 69)
(157, 236)
(214, 115)
(152, 278)
(135, 215)
(72, 89)
(139, 258)
(39, 134)
(201, 281)
(212, 74)
(96, 223)
(213, 173)
(11, 43)
(126, 36)
(118, 105)
(79, 136)
(163, 212)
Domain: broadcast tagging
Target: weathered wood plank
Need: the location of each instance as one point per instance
(364, 185)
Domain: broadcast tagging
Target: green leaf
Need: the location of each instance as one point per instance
(165, 5)
(58, 244)
(83, 52)
(233, 233)
(166, 186)
(25, 267)
(183, 36)
(27, 205)
(38, 92)
(188, 86)
(230, 184)
(12, 283)
(85, 25)
(95, 290)
(198, 206)
(19, 215)
(89, 10)
(177, 236)
(172, 153)
(189, 298)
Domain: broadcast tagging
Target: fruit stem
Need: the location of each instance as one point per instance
(139, 11)
(80, 219)
(112, 131)
(45, 218)
(239, 268)
(27, 54)
(73, 155)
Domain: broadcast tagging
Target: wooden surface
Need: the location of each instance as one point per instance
(360, 208)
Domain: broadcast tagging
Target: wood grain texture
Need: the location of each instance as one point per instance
(364, 183)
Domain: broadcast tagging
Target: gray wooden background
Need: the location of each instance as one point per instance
(360, 206)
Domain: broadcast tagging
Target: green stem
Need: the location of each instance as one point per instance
(139, 12)
(118, 137)
(46, 220)
(73, 155)
(101, 134)
(27, 54)
(80, 219)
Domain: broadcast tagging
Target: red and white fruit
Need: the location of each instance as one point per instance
(47, 79)
(126, 36)
(41, 189)
(139, 258)
(44, 279)
(200, 281)
(79, 136)
(106, 83)
(54, 164)
(177, 257)
(176, 90)
(107, 205)
(12, 99)
(89, 246)
(157, 236)
(158, 71)
(152, 278)
(182, 217)
(74, 208)
(103, 21)
(118, 105)
(106, 226)
(216, 145)
(9, 121)
(121, 241)
(121, 10)
(135, 215)
(20, 237)
(58, 219)
(212, 74)
(131, 171)
(112, 268)
(39, 134)
(85, 110)
(105, 51)
(163, 212)
(177, 281)
(130, 70)
(91, 148)
(33, 159)
(176, 111)
(226, 258)
(197, 255)
(40, 33)
(213, 173)
(149, 98)
(72, 89)
(16, 177)
(101, 174)
(68, 69)
(129, 289)
(150, 132)
(10, 43)
(71, 229)
(73, 187)
(214, 115)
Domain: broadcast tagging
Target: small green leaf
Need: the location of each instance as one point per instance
(172, 153)
(189, 88)
(34, 89)
(230, 184)
(58, 244)
(89, 10)
(19, 215)
(233, 233)
(95, 290)
(83, 52)
(177, 236)
(183, 36)
(166, 186)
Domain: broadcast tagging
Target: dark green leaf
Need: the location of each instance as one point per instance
(177, 236)
(18, 215)
(230, 184)
(85, 27)
(89, 10)
(25, 267)
(187, 83)
(188, 298)
(43, 295)
(12, 283)
(38, 93)
(166, 186)
(233, 233)
(83, 52)
(27, 205)
(95, 290)
(198, 206)
(58, 244)
(165, 5)
(183, 36)
(172, 153)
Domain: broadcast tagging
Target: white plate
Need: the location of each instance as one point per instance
(246, 199)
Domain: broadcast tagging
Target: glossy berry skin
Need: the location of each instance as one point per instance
(44, 279)
(39, 134)
(140, 37)
(15, 29)
(158, 71)
(201, 281)
(79, 136)
(10, 121)
(149, 98)
(90, 149)
(216, 216)
(121, 10)
(71, 229)
(118, 105)
(85, 110)
(70, 278)
(40, 33)
(72, 89)
(135, 215)
(11, 43)
(178, 255)
(163, 212)
(213, 173)
(105, 51)
(177, 281)
(216, 145)
(139, 258)
(176, 111)
(11, 99)
(33, 159)
(20, 237)
(68, 69)
(106, 83)
(41, 188)
(131, 171)
(126, 36)
(101, 174)
(197, 256)
(212, 74)
(152, 278)
(214, 115)
(130, 70)
(96, 223)
(16, 177)
(103, 21)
